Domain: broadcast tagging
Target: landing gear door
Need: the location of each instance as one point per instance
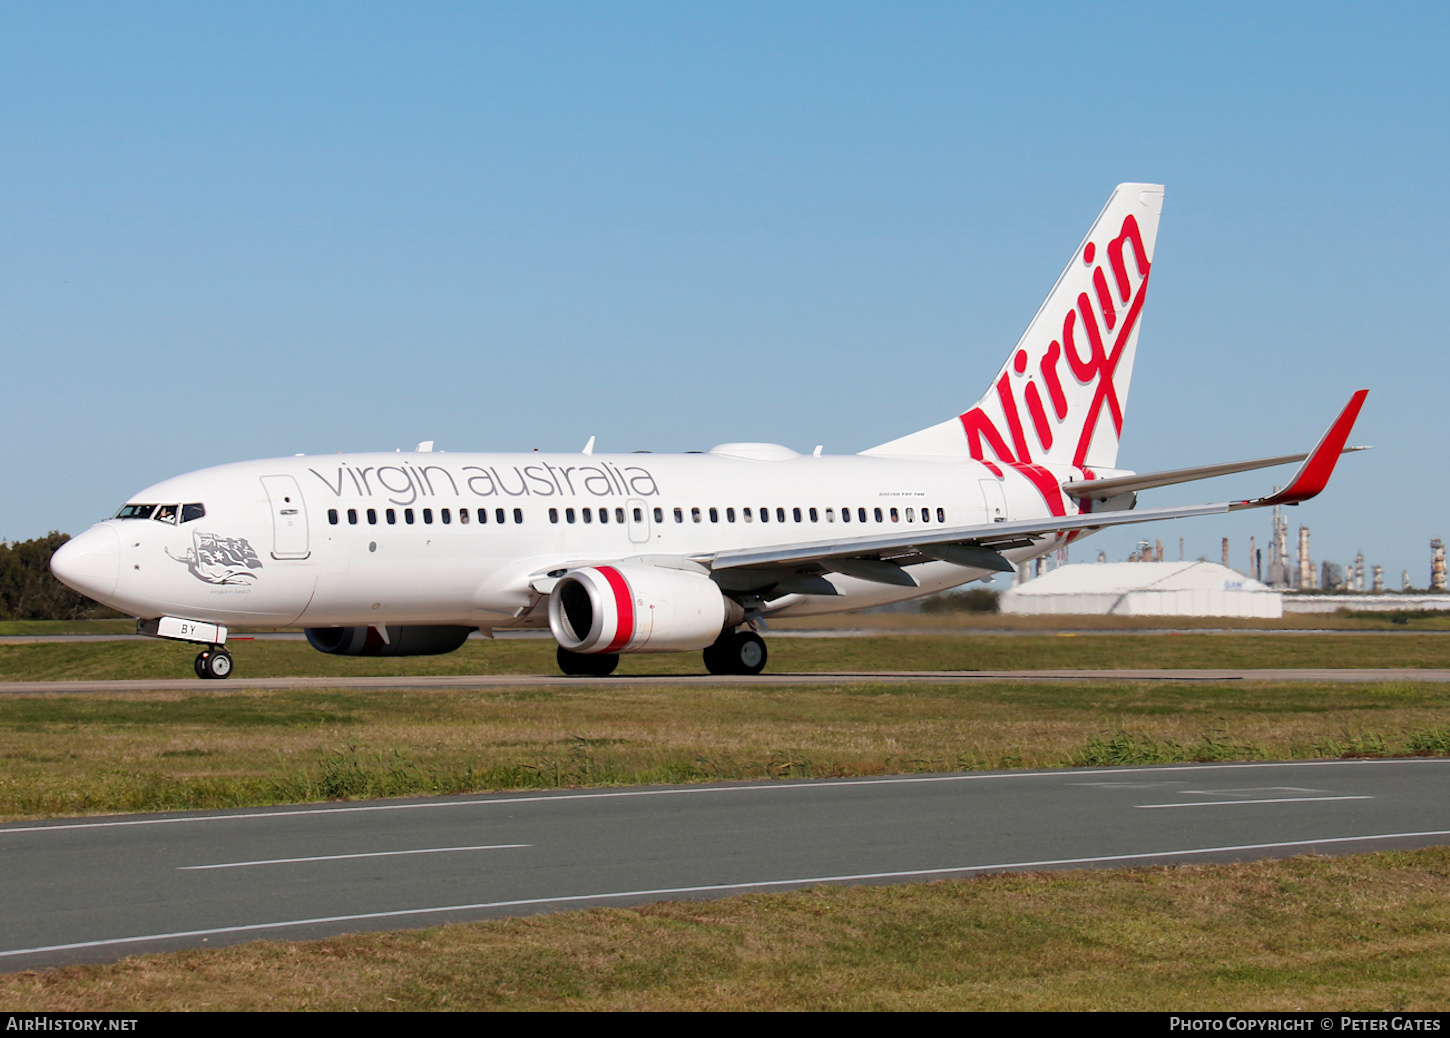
(289, 518)
(638, 514)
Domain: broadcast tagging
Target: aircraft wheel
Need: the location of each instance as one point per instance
(736, 653)
(199, 664)
(214, 663)
(748, 653)
(586, 664)
(717, 657)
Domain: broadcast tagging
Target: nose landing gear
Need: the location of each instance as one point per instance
(214, 662)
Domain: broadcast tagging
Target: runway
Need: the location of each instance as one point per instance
(895, 677)
(101, 888)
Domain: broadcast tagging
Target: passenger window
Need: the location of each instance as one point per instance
(639, 515)
(619, 515)
(780, 515)
(352, 516)
(765, 515)
(911, 515)
(518, 515)
(796, 512)
(845, 515)
(695, 514)
(895, 516)
(372, 517)
(392, 517)
(588, 518)
(604, 515)
(941, 515)
(568, 515)
(814, 517)
(482, 516)
(659, 515)
(428, 515)
(553, 515)
(408, 516)
(463, 516)
(679, 515)
(190, 512)
(729, 515)
(748, 518)
(332, 516)
(830, 515)
(878, 514)
(861, 515)
(499, 516)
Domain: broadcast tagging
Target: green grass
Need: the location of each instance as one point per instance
(102, 752)
(37, 628)
(1368, 933)
(109, 660)
(1343, 619)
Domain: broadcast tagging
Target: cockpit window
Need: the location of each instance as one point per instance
(135, 511)
(192, 511)
(165, 513)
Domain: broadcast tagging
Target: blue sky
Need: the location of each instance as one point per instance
(237, 231)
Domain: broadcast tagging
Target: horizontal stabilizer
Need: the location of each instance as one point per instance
(945, 542)
(1147, 480)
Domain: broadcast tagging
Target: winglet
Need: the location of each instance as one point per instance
(1314, 474)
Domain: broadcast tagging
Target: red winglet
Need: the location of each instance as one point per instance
(1314, 474)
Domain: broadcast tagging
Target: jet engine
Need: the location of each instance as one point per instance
(387, 641)
(634, 608)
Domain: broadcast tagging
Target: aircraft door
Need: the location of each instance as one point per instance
(638, 514)
(289, 518)
(995, 498)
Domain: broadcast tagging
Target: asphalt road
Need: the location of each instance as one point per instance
(99, 889)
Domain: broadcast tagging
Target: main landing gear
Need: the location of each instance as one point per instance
(587, 664)
(736, 652)
(214, 662)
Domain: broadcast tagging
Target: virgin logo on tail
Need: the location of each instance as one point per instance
(1073, 375)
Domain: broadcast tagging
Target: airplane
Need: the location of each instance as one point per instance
(397, 554)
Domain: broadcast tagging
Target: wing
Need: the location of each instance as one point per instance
(880, 557)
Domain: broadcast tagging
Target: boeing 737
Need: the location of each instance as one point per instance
(408, 553)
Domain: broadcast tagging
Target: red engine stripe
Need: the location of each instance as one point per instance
(623, 608)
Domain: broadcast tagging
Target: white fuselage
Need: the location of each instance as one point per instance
(416, 538)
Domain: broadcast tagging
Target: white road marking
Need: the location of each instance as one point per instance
(712, 889)
(1248, 791)
(782, 785)
(343, 857)
(1234, 803)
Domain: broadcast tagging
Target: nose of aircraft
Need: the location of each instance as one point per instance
(90, 563)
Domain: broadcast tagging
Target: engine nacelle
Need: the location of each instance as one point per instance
(400, 641)
(633, 608)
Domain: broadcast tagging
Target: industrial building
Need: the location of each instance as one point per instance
(1144, 589)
